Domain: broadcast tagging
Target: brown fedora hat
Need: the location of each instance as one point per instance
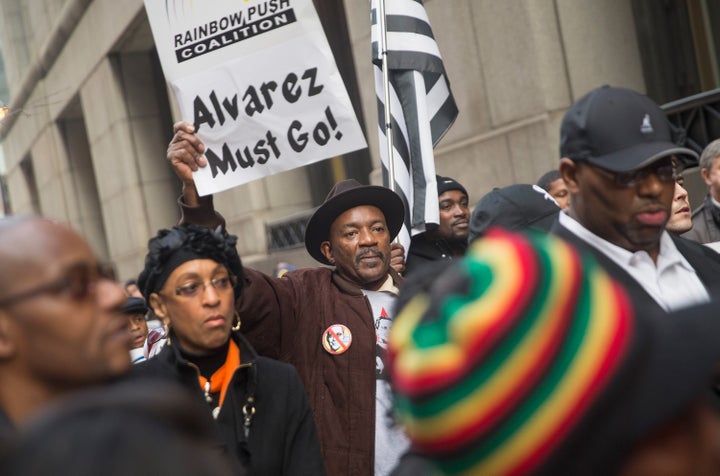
(344, 196)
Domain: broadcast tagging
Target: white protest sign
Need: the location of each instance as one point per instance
(258, 80)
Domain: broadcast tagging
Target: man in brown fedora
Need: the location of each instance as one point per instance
(322, 320)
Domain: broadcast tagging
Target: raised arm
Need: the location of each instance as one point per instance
(185, 154)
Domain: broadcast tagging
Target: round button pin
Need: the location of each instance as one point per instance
(336, 339)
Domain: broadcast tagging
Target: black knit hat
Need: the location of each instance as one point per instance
(446, 183)
(171, 248)
(344, 196)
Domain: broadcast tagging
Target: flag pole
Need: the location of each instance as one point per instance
(386, 85)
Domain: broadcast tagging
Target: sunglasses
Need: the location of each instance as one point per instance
(662, 169)
(76, 283)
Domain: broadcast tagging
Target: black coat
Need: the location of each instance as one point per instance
(704, 260)
(425, 250)
(7, 431)
(704, 228)
(282, 437)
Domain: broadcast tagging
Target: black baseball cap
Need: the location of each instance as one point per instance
(515, 207)
(619, 130)
(135, 305)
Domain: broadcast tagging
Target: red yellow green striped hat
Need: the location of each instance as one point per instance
(524, 356)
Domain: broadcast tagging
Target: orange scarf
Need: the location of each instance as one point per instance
(220, 380)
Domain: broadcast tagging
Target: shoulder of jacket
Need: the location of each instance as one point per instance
(685, 245)
(700, 209)
(267, 362)
(161, 364)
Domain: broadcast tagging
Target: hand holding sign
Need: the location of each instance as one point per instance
(185, 151)
(185, 154)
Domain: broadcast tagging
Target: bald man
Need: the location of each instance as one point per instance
(60, 323)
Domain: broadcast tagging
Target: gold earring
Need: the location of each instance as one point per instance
(236, 327)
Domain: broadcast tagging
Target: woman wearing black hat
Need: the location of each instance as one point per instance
(191, 279)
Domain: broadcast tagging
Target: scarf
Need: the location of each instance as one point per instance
(220, 380)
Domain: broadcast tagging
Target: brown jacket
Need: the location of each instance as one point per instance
(285, 318)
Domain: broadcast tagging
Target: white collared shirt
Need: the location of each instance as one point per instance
(671, 282)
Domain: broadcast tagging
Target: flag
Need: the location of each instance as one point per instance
(421, 106)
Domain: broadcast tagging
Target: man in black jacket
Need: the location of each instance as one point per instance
(449, 239)
(617, 160)
(706, 218)
(61, 329)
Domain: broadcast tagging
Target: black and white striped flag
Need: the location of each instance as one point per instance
(421, 105)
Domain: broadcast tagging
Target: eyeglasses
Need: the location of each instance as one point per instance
(76, 283)
(195, 288)
(662, 169)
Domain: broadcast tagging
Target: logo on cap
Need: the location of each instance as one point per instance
(336, 339)
(543, 192)
(646, 127)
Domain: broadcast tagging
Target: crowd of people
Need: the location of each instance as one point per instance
(565, 327)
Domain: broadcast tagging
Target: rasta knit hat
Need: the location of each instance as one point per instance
(526, 357)
(181, 243)
(343, 196)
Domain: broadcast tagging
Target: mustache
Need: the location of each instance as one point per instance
(371, 251)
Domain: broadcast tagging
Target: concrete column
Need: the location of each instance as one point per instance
(600, 44)
(64, 174)
(50, 167)
(127, 128)
(23, 201)
(81, 193)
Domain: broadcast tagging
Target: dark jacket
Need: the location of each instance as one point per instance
(285, 318)
(7, 431)
(424, 250)
(704, 227)
(704, 260)
(282, 437)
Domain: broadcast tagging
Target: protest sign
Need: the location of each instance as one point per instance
(258, 80)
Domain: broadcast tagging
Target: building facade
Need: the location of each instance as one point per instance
(90, 117)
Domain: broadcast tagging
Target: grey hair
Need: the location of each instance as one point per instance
(708, 155)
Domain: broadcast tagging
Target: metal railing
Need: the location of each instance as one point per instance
(695, 119)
